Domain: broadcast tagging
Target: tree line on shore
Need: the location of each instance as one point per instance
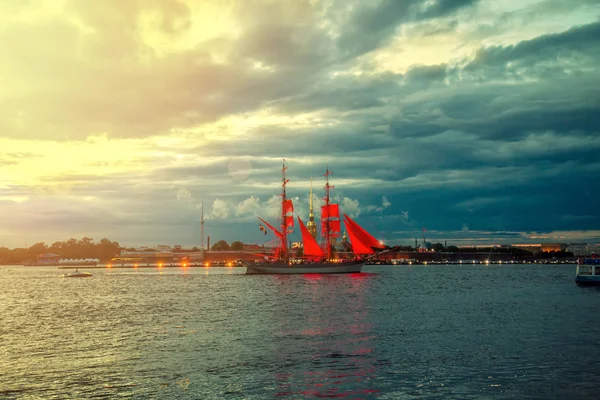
(72, 249)
(86, 247)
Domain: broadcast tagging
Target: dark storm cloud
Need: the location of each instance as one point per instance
(578, 43)
(370, 26)
(522, 17)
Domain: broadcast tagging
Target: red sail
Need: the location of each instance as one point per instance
(363, 235)
(335, 227)
(311, 247)
(334, 211)
(358, 247)
(288, 207)
(289, 221)
(330, 211)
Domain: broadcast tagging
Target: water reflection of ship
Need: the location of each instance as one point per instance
(335, 340)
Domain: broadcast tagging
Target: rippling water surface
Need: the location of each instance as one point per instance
(392, 333)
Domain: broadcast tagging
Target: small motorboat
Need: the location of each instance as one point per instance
(77, 274)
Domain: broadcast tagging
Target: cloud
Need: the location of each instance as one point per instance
(220, 209)
(370, 26)
(561, 49)
(183, 194)
(385, 203)
(111, 77)
(350, 207)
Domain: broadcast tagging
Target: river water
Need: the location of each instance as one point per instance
(392, 332)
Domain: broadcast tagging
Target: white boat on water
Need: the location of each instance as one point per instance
(316, 259)
(77, 274)
(588, 271)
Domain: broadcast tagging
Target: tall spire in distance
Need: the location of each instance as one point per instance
(202, 227)
(311, 225)
(311, 198)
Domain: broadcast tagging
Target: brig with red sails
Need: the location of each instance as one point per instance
(317, 257)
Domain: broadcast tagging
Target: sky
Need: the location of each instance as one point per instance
(476, 120)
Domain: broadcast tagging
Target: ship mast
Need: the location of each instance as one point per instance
(284, 252)
(311, 225)
(327, 234)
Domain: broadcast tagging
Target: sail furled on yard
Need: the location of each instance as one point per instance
(311, 247)
(364, 236)
(330, 217)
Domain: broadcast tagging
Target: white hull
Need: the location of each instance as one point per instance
(316, 268)
(78, 275)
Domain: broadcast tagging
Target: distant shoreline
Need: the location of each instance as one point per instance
(390, 264)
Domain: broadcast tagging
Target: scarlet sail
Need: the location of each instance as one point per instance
(362, 235)
(330, 215)
(335, 226)
(330, 211)
(289, 221)
(288, 208)
(311, 247)
(358, 247)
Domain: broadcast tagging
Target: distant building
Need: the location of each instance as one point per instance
(534, 248)
(167, 257)
(48, 258)
(253, 247)
(548, 247)
(582, 249)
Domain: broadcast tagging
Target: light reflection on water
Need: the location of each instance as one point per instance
(394, 332)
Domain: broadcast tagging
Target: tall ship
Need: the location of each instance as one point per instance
(316, 258)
